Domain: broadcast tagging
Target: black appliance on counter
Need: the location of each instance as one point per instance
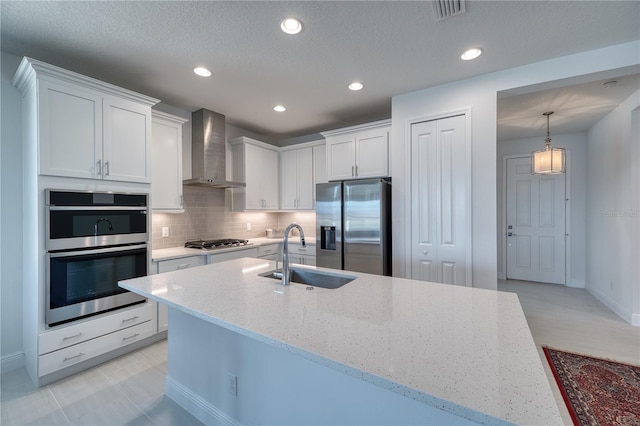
(93, 240)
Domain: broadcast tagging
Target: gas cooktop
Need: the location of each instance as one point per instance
(216, 244)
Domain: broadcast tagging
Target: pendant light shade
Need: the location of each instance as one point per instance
(548, 161)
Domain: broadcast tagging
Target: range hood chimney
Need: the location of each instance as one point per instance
(208, 148)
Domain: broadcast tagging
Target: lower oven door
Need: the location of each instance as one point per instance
(85, 282)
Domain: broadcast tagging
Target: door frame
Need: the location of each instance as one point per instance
(568, 281)
(468, 183)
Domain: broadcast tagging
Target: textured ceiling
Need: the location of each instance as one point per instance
(393, 47)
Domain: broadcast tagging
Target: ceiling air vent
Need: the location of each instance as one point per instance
(444, 9)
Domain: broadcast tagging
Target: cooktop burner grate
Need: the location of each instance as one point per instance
(214, 244)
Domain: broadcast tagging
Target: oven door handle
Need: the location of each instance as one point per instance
(95, 208)
(97, 251)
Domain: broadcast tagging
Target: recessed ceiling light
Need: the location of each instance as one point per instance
(355, 86)
(202, 71)
(279, 108)
(471, 54)
(291, 26)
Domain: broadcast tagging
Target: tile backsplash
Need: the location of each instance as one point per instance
(207, 215)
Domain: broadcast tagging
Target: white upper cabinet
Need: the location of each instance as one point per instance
(126, 146)
(166, 160)
(70, 131)
(86, 128)
(296, 175)
(256, 164)
(358, 152)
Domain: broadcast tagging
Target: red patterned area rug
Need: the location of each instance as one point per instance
(597, 391)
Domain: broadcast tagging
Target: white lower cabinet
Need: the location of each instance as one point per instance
(235, 254)
(302, 255)
(174, 265)
(270, 251)
(180, 263)
(61, 347)
(74, 354)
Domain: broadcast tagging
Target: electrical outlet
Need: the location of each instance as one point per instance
(232, 382)
(248, 226)
(165, 231)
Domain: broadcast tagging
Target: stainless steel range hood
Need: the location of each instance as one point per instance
(208, 151)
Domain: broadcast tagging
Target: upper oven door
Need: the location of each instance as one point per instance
(88, 219)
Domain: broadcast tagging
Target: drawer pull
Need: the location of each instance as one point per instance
(130, 337)
(74, 357)
(184, 266)
(130, 319)
(75, 336)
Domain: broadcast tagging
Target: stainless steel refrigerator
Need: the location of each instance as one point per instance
(353, 225)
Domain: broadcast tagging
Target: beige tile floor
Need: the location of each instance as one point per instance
(129, 390)
(572, 320)
(126, 391)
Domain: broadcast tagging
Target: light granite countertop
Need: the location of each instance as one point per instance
(467, 351)
(180, 252)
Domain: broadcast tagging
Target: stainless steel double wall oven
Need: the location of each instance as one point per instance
(93, 240)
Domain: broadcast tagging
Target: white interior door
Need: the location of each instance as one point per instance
(439, 231)
(535, 224)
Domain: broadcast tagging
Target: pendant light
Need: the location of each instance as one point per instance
(548, 161)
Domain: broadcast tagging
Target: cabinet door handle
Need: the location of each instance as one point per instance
(356, 171)
(130, 319)
(73, 357)
(106, 165)
(99, 168)
(353, 171)
(130, 337)
(75, 336)
(184, 266)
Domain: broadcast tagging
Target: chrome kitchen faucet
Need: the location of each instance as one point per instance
(285, 251)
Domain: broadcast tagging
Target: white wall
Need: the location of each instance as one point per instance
(479, 94)
(11, 194)
(576, 146)
(613, 210)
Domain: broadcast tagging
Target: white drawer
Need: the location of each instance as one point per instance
(235, 254)
(59, 338)
(63, 358)
(268, 250)
(181, 263)
(298, 249)
(302, 259)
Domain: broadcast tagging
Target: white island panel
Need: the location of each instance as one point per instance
(466, 351)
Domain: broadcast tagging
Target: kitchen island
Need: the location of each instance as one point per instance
(378, 350)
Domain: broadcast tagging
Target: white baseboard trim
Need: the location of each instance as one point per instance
(615, 307)
(194, 404)
(11, 362)
(573, 283)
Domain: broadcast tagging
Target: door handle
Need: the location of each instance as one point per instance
(511, 234)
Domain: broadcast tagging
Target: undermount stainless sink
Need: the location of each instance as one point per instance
(314, 278)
